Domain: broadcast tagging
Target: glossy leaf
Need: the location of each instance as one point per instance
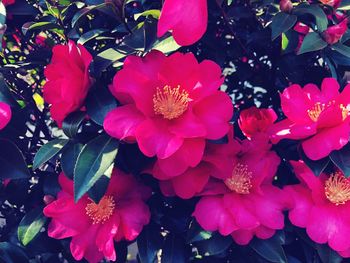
(149, 243)
(318, 166)
(95, 160)
(12, 161)
(327, 254)
(69, 158)
(270, 249)
(173, 249)
(30, 225)
(342, 49)
(341, 159)
(47, 151)
(312, 42)
(316, 11)
(72, 123)
(281, 23)
(11, 253)
(214, 245)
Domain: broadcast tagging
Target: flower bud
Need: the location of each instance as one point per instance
(334, 33)
(286, 6)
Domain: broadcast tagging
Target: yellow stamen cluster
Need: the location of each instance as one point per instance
(241, 178)
(101, 212)
(170, 102)
(315, 112)
(337, 188)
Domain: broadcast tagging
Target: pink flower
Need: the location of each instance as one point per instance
(5, 114)
(318, 117)
(170, 106)
(333, 3)
(334, 33)
(303, 30)
(253, 120)
(8, 2)
(187, 20)
(244, 203)
(320, 204)
(286, 6)
(68, 80)
(121, 214)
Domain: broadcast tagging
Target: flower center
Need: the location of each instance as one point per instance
(170, 102)
(240, 181)
(337, 188)
(101, 212)
(315, 112)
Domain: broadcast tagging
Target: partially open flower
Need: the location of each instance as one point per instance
(334, 33)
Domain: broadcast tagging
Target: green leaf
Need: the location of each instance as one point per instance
(95, 160)
(98, 190)
(30, 225)
(327, 254)
(342, 49)
(72, 123)
(39, 26)
(12, 161)
(166, 45)
(150, 27)
(270, 249)
(215, 245)
(341, 159)
(98, 103)
(84, 11)
(173, 249)
(155, 13)
(5, 93)
(312, 42)
(149, 242)
(90, 35)
(318, 166)
(69, 158)
(281, 23)
(47, 151)
(11, 253)
(196, 233)
(316, 11)
(344, 5)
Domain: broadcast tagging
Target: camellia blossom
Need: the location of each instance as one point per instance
(120, 214)
(321, 205)
(253, 120)
(187, 20)
(334, 33)
(5, 114)
(244, 203)
(67, 80)
(170, 106)
(319, 117)
(8, 2)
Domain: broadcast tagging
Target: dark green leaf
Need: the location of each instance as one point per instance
(69, 158)
(47, 151)
(84, 11)
(281, 23)
(72, 123)
(5, 94)
(270, 249)
(327, 254)
(95, 160)
(342, 49)
(344, 5)
(39, 26)
(90, 35)
(173, 249)
(150, 27)
(318, 166)
(98, 103)
(98, 190)
(312, 42)
(216, 245)
(12, 161)
(316, 11)
(30, 225)
(196, 233)
(11, 253)
(149, 242)
(341, 159)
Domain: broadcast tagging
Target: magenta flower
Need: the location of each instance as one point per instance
(321, 205)
(244, 203)
(121, 214)
(318, 117)
(5, 114)
(187, 20)
(334, 33)
(170, 106)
